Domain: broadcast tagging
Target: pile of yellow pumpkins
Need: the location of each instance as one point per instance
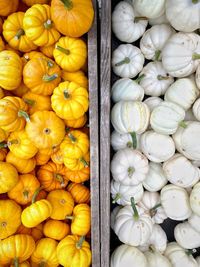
(44, 139)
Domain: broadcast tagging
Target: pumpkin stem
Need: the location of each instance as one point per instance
(66, 94)
(30, 102)
(195, 56)
(183, 124)
(42, 264)
(160, 77)
(80, 242)
(13, 142)
(126, 60)
(134, 139)
(69, 217)
(16, 262)
(157, 55)
(154, 209)
(26, 194)
(3, 145)
(60, 178)
(49, 78)
(63, 50)
(72, 138)
(85, 163)
(19, 34)
(37, 191)
(68, 4)
(129, 144)
(137, 19)
(22, 113)
(139, 78)
(117, 197)
(67, 129)
(48, 24)
(190, 251)
(130, 171)
(195, 1)
(135, 215)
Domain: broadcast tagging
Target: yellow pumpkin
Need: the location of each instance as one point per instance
(14, 34)
(35, 232)
(10, 70)
(8, 177)
(45, 129)
(10, 218)
(76, 77)
(79, 13)
(70, 53)
(21, 165)
(1, 93)
(39, 26)
(33, 2)
(69, 100)
(2, 45)
(41, 75)
(8, 7)
(45, 253)
(21, 90)
(3, 135)
(3, 153)
(57, 157)
(21, 146)
(24, 190)
(23, 264)
(77, 164)
(56, 229)
(33, 54)
(74, 251)
(62, 204)
(48, 50)
(79, 192)
(1, 25)
(41, 158)
(16, 249)
(37, 102)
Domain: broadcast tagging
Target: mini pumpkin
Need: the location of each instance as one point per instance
(77, 77)
(77, 123)
(79, 192)
(56, 229)
(8, 7)
(77, 164)
(8, 177)
(33, 2)
(48, 50)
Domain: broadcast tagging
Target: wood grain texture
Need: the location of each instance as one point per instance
(105, 81)
(94, 140)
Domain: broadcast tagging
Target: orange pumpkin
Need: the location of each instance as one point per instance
(48, 50)
(79, 176)
(1, 93)
(77, 164)
(56, 229)
(1, 25)
(33, 2)
(37, 102)
(41, 158)
(79, 192)
(21, 90)
(3, 153)
(2, 45)
(76, 77)
(57, 157)
(8, 7)
(8, 178)
(3, 136)
(37, 232)
(33, 54)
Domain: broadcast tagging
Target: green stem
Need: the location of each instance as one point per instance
(60, 178)
(135, 215)
(131, 171)
(49, 78)
(195, 56)
(22, 113)
(183, 124)
(13, 142)
(29, 102)
(126, 60)
(154, 209)
(37, 191)
(129, 144)
(3, 145)
(67, 129)
(68, 4)
(72, 137)
(42, 264)
(19, 34)
(190, 251)
(16, 262)
(85, 163)
(63, 50)
(66, 94)
(26, 194)
(195, 1)
(117, 197)
(139, 78)
(160, 77)
(137, 19)
(80, 242)
(48, 24)
(157, 55)
(134, 139)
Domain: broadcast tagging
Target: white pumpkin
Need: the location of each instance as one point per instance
(186, 236)
(184, 15)
(150, 8)
(113, 216)
(196, 109)
(152, 102)
(196, 163)
(155, 179)
(155, 79)
(150, 202)
(194, 221)
(182, 92)
(126, 89)
(180, 56)
(189, 115)
(129, 166)
(127, 61)
(133, 226)
(126, 24)
(154, 39)
(187, 140)
(166, 118)
(152, 143)
(121, 194)
(175, 202)
(120, 141)
(198, 261)
(160, 20)
(179, 257)
(156, 259)
(197, 77)
(130, 116)
(127, 256)
(181, 172)
(195, 199)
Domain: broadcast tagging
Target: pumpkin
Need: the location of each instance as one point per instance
(52, 176)
(3, 135)
(8, 178)
(3, 153)
(1, 25)
(77, 164)
(41, 158)
(196, 109)
(2, 45)
(23, 264)
(129, 166)
(47, 50)
(152, 43)
(197, 77)
(33, 54)
(79, 192)
(10, 70)
(33, 2)
(194, 222)
(10, 218)
(75, 251)
(21, 165)
(194, 199)
(39, 27)
(72, 99)
(120, 141)
(45, 253)
(9, 48)
(9, 7)
(36, 232)
(127, 25)
(78, 176)
(45, 129)
(113, 216)
(156, 259)
(159, 20)
(77, 77)
(56, 229)
(36, 102)
(81, 221)
(77, 123)
(62, 204)
(57, 157)
(24, 190)
(150, 9)
(13, 32)
(41, 75)
(20, 145)
(152, 102)
(21, 90)
(66, 13)
(127, 61)
(16, 249)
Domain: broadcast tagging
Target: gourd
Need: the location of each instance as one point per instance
(125, 256)
(127, 89)
(151, 43)
(150, 9)
(171, 196)
(155, 178)
(166, 118)
(127, 61)
(77, 123)
(184, 16)
(47, 50)
(180, 56)
(180, 171)
(129, 167)
(78, 168)
(9, 7)
(79, 192)
(8, 178)
(132, 225)
(151, 144)
(195, 199)
(196, 109)
(113, 216)
(182, 92)
(152, 102)
(156, 259)
(130, 116)
(56, 229)
(78, 77)
(121, 194)
(120, 141)
(127, 25)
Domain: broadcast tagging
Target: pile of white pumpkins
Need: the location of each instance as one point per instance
(156, 137)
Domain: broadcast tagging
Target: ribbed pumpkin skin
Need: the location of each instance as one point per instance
(56, 229)
(76, 77)
(8, 7)
(79, 192)
(8, 177)
(33, 2)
